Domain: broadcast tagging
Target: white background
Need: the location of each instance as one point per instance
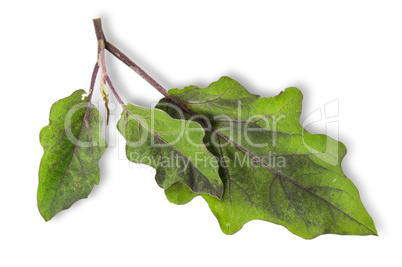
(345, 50)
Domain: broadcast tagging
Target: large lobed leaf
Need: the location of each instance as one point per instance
(173, 147)
(72, 146)
(272, 168)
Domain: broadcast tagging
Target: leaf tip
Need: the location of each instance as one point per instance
(47, 217)
(375, 233)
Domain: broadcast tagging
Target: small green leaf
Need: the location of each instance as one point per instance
(72, 146)
(272, 168)
(173, 147)
(105, 97)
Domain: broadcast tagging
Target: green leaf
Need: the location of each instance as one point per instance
(173, 147)
(72, 146)
(272, 168)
